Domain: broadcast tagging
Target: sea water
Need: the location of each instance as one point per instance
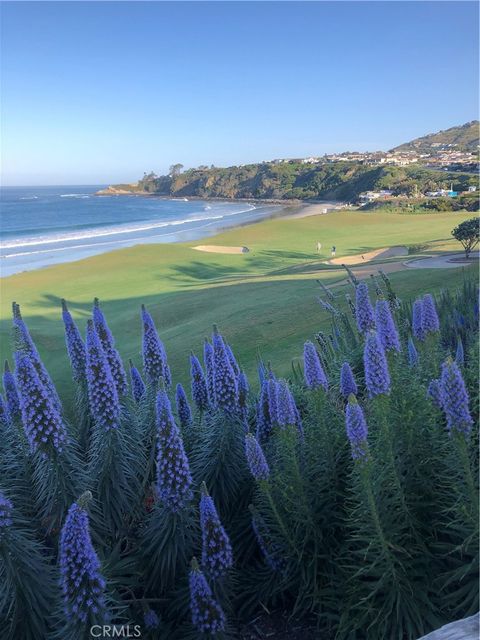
(41, 226)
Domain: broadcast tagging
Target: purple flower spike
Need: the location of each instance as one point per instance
(5, 418)
(108, 344)
(232, 360)
(217, 556)
(347, 381)
(226, 389)
(207, 614)
(154, 355)
(136, 383)
(313, 371)
(41, 419)
(25, 345)
(377, 377)
(357, 430)
(183, 408)
(6, 508)
(455, 398)
(286, 408)
(151, 620)
(199, 384)
(364, 311)
(434, 392)
(460, 355)
(413, 357)
(102, 391)
(11, 393)
(83, 585)
(417, 320)
(257, 463)
(430, 321)
(386, 328)
(209, 370)
(273, 401)
(174, 480)
(264, 423)
(75, 346)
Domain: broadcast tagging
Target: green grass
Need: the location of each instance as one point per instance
(263, 301)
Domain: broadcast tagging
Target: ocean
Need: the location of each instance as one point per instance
(41, 226)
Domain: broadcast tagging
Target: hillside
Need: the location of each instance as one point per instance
(293, 180)
(340, 177)
(464, 138)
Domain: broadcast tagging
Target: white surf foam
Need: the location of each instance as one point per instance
(111, 231)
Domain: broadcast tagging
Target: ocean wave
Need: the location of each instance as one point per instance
(29, 198)
(74, 195)
(95, 232)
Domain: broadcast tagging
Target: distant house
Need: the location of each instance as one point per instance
(472, 188)
(369, 196)
(442, 193)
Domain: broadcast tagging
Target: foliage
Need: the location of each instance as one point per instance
(360, 511)
(297, 180)
(467, 233)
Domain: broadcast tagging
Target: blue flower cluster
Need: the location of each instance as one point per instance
(41, 419)
(208, 358)
(155, 362)
(5, 418)
(108, 344)
(264, 422)
(207, 614)
(199, 385)
(430, 321)
(364, 311)
(183, 408)
(347, 381)
(313, 371)
(454, 398)
(11, 393)
(75, 346)
(151, 619)
(386, 328)
(417, 320)
(217, 556)
(377, 377)
(356, 427)
(83, 585)
(174, 480)
(136, 383)
(102, 391)
(225, 380)
(25, 344)
(6, 508)
(256, 460)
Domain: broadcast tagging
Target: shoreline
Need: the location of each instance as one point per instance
(290, 210)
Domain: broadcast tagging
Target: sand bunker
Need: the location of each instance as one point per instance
(377, 254)
(211, 248)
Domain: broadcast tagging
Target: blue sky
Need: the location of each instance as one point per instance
(99, 92)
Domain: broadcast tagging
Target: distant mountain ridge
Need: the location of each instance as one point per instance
(464, 138)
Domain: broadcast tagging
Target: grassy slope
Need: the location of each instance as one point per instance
(262, 300)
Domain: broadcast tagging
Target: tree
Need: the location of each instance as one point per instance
(175, 169)
(467, 234)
